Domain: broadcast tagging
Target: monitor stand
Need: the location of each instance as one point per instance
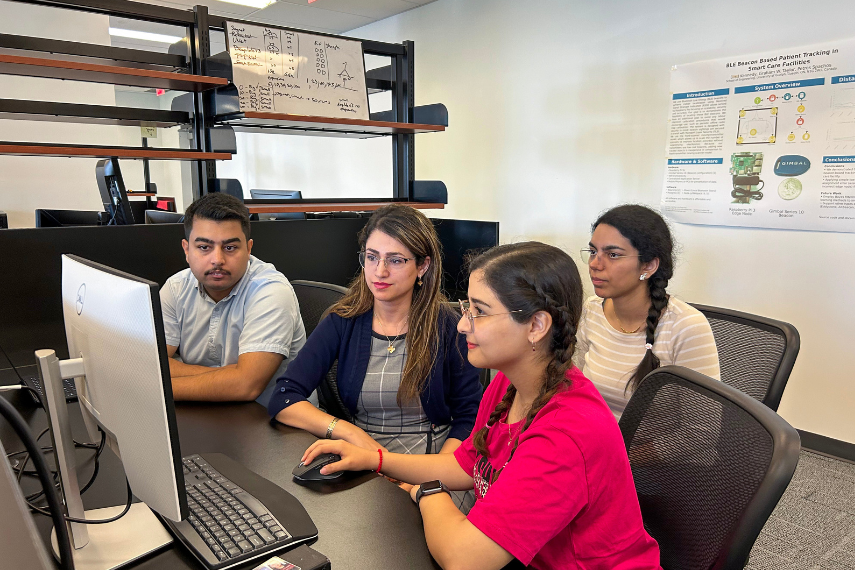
(100, 546)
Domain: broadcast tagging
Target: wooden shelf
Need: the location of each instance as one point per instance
(142, 194)
(33, 149)
(14, 109)
(252, 120)
(98, 73)
(334, 207)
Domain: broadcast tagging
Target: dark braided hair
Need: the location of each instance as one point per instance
(649, 234)
(530, 277)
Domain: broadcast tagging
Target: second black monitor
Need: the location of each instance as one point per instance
(113, 193)
(279, 195)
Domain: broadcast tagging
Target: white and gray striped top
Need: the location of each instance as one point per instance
(609, 357)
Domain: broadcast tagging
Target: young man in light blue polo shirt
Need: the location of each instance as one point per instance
(232, 321)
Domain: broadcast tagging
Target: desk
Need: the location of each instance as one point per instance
(364, 523)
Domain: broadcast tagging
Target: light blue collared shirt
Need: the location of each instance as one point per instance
(260, 314)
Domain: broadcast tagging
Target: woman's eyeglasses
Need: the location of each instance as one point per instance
(392, 262)
(466, 311)
(589, 253)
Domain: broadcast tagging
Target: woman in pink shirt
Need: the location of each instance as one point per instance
(546, 458)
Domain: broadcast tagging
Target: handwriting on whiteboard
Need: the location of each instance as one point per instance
(282, 71)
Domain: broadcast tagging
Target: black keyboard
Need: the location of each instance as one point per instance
(227, 525)
(34, 381)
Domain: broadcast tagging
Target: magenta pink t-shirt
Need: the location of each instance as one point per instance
(566, 499)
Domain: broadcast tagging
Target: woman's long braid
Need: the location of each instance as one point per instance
(479, 440)
(658, 301)
(562, 346)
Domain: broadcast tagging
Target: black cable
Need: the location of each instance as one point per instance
(97, 463)
(28, 455)
(23, 430)
(15, 368)
(95, 470)
(111, 519)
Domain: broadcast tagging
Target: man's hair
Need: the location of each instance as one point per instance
(218, 207)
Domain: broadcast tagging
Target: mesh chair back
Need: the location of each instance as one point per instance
(709, 465)
(756, 354)
(315, 298)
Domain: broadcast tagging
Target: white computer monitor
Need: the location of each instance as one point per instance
(113, 321)
(118, 358)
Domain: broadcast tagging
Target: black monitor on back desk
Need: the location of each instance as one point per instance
(63, 218)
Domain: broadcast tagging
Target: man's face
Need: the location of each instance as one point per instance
(218, 254)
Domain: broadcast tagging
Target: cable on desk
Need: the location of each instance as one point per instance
(22, 429)
(21, 469)
(12, 364)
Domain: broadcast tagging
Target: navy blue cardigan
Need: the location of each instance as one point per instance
(452, 393)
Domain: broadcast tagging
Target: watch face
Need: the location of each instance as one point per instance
(432, 487)
(429, 488)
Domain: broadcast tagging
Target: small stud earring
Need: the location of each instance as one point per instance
(643, 277)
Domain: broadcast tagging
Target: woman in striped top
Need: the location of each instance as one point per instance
(632, 326)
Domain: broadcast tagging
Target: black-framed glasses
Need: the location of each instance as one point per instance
(589, 253)
(466, 311)
(392, 262)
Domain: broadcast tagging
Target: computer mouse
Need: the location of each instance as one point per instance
(312, 471)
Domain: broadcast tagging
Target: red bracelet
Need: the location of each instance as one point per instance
(380, 465)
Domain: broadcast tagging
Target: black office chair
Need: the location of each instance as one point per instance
(163, 217)
(315, 299)
(709, 463)
(756, 354)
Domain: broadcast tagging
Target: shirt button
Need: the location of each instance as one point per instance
(287, 401)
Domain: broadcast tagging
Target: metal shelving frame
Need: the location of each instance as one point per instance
(397, 77)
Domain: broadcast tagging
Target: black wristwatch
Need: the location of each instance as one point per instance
(431, 488)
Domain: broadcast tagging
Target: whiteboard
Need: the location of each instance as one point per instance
(283, 71)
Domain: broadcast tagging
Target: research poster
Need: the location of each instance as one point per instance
(765, 140)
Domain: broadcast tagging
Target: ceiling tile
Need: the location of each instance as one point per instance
(299, 16)
(374, 9)
(329, 16)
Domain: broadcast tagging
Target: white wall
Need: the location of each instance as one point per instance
(558, 110)
(318, 166)
(36, 182)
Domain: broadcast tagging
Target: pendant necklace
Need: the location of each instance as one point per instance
(391, 347)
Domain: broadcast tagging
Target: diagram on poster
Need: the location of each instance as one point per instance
(766, 140)
(283, 71)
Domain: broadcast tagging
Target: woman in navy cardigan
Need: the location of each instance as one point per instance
(402, 373)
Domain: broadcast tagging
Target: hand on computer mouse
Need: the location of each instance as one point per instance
(312, 471)
(353, 458)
